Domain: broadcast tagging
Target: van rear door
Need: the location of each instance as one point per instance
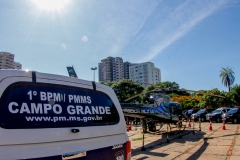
(58, 113)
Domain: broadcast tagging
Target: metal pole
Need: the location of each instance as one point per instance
(199, 120)
(143, 148)
(94, 73)
(180, 127)
(167, 133)
(193, 132)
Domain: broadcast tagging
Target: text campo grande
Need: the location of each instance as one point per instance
(49, 107)
(40, 108)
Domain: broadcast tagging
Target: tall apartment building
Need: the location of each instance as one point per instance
(158, 75)
(126, 66)
(145, 73)
(7, 61)
(111, 69)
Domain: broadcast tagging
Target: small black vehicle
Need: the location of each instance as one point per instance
(233, 115)
(201, 114)
(216, 115)
(188, 113)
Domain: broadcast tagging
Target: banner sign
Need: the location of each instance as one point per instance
(36, 105)
(71, 72)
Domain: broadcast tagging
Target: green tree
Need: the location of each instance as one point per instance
(236, 93)
(168, 84)
(190, 103)
(146, 93)
(227, 76)
(109, 84)
(211, 101)
(126, 88)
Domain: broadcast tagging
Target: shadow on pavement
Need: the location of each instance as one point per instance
(186, 136)
(152, 154)
(199, 152)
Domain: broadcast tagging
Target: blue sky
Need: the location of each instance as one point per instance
(190, 41)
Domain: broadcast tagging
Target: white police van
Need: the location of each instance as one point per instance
(45, 116)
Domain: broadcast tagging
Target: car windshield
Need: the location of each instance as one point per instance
(233, 110)
(217, 111)
(201, 111)
(190, 111)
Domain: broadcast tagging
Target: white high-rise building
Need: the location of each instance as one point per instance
(17, 65)
(7, 61)
(113, 69)
(145, 73)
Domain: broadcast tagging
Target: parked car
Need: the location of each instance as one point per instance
(188, 113)
(201, 114)
(216, 115)
(233, 115)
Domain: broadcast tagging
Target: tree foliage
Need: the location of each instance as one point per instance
(211, 101)
(168, 84)
(236, 94)
(169, 88)
(125, 89)
(173, 88)
(109, 84)
(144, 97)
(187, 102)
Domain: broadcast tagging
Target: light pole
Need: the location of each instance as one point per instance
(94, 73)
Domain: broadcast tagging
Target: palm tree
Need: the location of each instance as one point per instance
(227, 76)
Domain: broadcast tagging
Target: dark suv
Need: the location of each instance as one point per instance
(188, 113)
(201, 114)
(233, 115)
(216, 115)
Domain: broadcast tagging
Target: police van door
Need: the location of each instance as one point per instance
(47, 115)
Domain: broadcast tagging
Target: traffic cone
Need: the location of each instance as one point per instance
(189, 123)
(210, 126)
(129, 127)
(223, 126)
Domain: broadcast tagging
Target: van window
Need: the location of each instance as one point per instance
(41, 105)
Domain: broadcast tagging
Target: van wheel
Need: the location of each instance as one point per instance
(218, 120)
(203, 120)
(235, 120)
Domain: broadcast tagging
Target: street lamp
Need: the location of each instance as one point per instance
(94, 73)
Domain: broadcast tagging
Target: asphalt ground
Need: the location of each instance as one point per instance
(215, 144)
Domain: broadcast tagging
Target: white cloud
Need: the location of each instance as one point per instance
(179, 23)
(143, 27)
(84, 38)
(120, 23)
(64, 46)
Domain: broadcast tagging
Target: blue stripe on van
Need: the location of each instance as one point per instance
(107, 153)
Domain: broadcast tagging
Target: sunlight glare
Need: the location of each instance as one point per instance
(51, 5)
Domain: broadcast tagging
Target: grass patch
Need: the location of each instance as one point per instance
(137, 139)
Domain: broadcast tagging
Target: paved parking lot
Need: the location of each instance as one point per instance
(203, 145)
